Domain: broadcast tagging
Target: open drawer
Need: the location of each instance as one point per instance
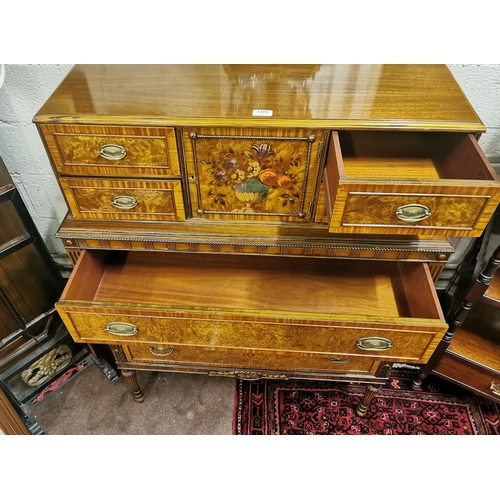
(409, 183)
(273, 304)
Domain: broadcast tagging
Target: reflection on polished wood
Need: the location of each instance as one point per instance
(245, 270)
(331, 96)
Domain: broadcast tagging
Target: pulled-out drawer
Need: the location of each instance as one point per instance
(409, 183)
(330, 307)
(123, 199)
(113, 151)
(242, 358)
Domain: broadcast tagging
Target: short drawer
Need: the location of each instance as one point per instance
(409, 183)
(113, 151)
(240, 358)
(123, 199)
(389, 311)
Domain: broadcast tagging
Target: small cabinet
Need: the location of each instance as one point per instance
(253, 174)
(425, 183)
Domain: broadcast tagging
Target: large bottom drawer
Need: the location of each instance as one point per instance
(239, 358)
(267, 304)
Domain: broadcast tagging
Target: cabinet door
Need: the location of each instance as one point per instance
(252, 174)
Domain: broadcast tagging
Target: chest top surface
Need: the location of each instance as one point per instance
(397, 97)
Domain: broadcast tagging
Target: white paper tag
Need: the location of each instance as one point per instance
(262, 112)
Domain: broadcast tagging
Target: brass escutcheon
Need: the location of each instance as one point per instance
(124, 202)
(112, 152)
(121, 329)
(161, 351)
(338, 360)
(374, 344)
(495, 388)
(413, 212)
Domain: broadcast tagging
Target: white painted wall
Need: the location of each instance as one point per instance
(27, 86)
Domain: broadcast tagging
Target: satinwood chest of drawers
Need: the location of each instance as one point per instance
(263, 221)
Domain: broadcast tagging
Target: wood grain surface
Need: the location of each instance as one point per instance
(150, 152)
(93, 198)
(254, 359)
(331, 96)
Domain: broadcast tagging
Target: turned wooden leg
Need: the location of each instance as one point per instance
(131, 378)
(383, 372)
(363, 406)
(129, 375)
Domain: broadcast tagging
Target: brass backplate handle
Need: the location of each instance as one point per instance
(121, 329)
(124, 202)
(112, 152)
(338, 360)
(413, 212)
(495, 388)
(161, 351)
(374, 344)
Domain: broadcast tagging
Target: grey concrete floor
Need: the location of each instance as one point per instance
(179, 404)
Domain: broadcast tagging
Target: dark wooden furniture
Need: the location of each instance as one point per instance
(10, 421)
(469, 353)
(263, 221)
(37, 354)
(29, 280)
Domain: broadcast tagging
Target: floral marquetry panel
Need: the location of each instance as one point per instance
(263, 174)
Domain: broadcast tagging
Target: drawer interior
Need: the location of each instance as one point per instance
(412, 155)
(290, 287)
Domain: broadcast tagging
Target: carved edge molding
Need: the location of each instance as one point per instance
(244, 375)
(82, 241)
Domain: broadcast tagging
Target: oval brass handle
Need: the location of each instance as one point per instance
(161, 351)
(374, 344)
(121, 329)
(338, 360)
(413, 212)
(124, 202)
(495, 388)
(112, 152)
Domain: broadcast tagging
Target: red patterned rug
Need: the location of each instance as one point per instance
(325, 408)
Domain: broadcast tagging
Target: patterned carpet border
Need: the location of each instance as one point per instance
(322, 408)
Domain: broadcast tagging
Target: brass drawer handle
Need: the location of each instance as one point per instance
(124, 202)
(338, 360)
(495, 388)
(121, 329)
(413, 212)
(374, 344)
(161, 351)
(112, 152)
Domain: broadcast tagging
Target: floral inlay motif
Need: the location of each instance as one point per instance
(249, 175)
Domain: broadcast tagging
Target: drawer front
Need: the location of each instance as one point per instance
(472, 377)
(412, 345)
(120, 151)
(415, 211)
(125, 200)
(239, 358)
(249, 174)
(408, 183)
